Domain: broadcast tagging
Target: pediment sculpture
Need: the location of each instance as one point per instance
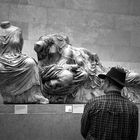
(69, 74)
(63, 74)
(65, 70)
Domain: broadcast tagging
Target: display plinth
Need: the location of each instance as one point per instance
(41, 122)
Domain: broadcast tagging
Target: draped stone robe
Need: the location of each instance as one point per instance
(19, 78)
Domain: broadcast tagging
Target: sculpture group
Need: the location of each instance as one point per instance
(63, 73)
(65, 69)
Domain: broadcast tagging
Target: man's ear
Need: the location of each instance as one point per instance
(107, 82)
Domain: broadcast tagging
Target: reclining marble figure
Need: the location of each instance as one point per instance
(69, 74)
(19, 78)
(65, 70)
(132, 86)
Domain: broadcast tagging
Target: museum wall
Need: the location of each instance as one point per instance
(110, 28)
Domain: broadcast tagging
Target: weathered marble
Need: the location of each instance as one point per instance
(19, 78)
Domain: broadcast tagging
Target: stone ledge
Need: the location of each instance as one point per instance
(43, 122)
(41, 109)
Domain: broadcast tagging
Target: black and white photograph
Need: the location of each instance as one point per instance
(69, 69)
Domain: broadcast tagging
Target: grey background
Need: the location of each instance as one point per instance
(110, 28)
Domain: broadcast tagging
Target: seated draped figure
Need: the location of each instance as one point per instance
(19, 77)
(66, 70)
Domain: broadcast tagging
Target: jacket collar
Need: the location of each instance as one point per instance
(113, 92)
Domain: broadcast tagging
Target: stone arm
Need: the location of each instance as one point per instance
(67, 61)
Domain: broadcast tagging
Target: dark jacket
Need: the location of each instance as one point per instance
(110, 117)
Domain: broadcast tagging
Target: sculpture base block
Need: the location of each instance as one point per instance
(41, 122)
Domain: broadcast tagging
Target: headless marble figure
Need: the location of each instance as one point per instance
(19, 79)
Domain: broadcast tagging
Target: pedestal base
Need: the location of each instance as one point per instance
(39, 122)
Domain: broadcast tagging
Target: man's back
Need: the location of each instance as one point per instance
(110, 117)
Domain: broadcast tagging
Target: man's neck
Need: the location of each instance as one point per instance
(112, 89)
